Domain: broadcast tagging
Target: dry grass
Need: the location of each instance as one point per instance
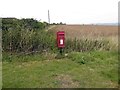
(66, 81)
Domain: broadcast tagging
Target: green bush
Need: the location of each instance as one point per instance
(26, 35)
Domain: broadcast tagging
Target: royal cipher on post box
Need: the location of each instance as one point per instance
(60, 39)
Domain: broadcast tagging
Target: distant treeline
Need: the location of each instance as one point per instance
(29, 23)
(58, 23)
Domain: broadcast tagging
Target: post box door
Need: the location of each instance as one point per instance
(61, 41)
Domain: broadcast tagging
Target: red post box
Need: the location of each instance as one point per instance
(61, 39)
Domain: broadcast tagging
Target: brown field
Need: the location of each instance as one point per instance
(79, 31)
(89, 31)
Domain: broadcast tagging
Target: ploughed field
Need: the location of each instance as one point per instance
(88, 31)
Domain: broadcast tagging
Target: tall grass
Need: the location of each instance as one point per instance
(83, 45)
(31, 40)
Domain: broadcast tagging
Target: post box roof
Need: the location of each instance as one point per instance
(60, 32)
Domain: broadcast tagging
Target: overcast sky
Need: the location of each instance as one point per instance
(66, 11)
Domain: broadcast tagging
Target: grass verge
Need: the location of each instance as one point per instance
(98, 69)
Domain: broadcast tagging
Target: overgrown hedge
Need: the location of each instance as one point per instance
(25, 35)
